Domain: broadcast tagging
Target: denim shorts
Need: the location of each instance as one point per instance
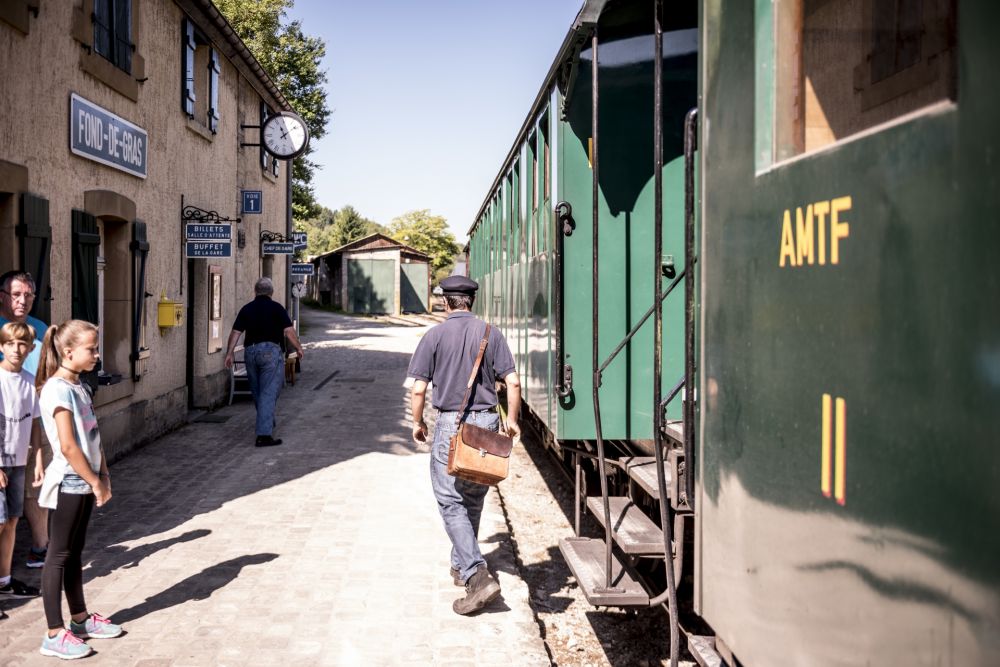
(12, 497)
(74, 485)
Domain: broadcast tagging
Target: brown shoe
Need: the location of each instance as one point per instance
(480, 590)
(456, 577)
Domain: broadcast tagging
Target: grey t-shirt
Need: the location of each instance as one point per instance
(445, 357)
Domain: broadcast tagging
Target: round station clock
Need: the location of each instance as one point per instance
(285, 135)
(298, 290)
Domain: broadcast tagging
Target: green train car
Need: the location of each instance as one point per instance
(779, 313)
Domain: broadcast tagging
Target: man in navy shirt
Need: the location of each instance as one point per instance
(445, 357)
(266, 324)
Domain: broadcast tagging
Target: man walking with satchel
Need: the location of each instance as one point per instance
(447, 356)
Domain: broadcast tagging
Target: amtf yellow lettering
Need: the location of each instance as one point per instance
(805, 242)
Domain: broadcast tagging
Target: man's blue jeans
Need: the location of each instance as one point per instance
(460, 502)
(265, 370)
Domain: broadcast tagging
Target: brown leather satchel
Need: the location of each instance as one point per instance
(477, 454)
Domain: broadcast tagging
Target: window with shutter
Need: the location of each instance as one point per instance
(140, 250)
(113, 32)
(187, 85)
(35, 237)
(265, 157)
(86, 244)
(275, 166)
(213, 90)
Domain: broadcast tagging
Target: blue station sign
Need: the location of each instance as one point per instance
(278, 248)
(199, 249)
(253, 202)
(198, 231)
(303, 269)
(101, 136)
(300, 239)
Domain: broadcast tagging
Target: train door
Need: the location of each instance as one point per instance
(848, 240)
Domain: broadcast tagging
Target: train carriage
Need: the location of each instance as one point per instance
(781, 321)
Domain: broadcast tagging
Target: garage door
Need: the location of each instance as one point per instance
(371, 284)
(413, 286)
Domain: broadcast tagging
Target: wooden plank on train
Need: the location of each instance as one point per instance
(586, 559)
(642, 469)
(633, 531)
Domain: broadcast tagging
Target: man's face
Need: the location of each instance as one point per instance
(17, 300)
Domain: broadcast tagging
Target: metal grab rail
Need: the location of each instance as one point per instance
(665, 527)
(690, 259)
(595, 303)
(564, 372)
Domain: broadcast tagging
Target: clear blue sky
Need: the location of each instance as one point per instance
(427, 98)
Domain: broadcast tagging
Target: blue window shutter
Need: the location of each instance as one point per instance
(265, 157)
(86, 244)
(213, 90)
(187, 84)
(140, 250)
(35, 236)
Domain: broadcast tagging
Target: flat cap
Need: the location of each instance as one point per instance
(459, 286)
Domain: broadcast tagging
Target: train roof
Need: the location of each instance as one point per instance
(579, 32)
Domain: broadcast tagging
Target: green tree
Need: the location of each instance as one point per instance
(331, 229)
(430, 234)
(292, 59)
(349, 225)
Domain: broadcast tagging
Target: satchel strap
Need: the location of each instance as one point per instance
(472, 377)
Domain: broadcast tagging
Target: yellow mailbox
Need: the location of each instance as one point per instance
(169, 313)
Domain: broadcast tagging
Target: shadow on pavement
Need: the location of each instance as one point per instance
(204, 465)
(196, 587)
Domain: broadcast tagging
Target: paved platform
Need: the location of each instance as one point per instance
(327, 550)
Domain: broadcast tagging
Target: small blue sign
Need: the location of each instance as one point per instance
(101, 136)
(303, 269)
(300, 239)
(197, 249)
(198, 231)
(253, 201)
(277, 248)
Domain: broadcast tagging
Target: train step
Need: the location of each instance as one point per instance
(643, 470)
(586, 559)
(703, 650)
(674, 429)
(633, 531)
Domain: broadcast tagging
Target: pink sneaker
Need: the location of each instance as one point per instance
(95, 627)
(64, 645)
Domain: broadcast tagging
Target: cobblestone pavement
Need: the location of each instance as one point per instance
(327, 550)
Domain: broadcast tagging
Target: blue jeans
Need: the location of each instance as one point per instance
(460, 502)
(265, 364)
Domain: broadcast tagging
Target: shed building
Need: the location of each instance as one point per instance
(376, 274)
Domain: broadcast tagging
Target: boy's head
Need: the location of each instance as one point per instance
(17, 340)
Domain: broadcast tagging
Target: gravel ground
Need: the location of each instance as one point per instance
(538, 501)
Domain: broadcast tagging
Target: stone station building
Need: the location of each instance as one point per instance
(120, 115)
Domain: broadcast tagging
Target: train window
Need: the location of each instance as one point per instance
(515, 204)
(508, 210)
(546, 185)
(828, 69)
(502, 223)
(531, 240)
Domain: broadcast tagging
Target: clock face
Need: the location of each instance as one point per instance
(298, 290)
(285, 135)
